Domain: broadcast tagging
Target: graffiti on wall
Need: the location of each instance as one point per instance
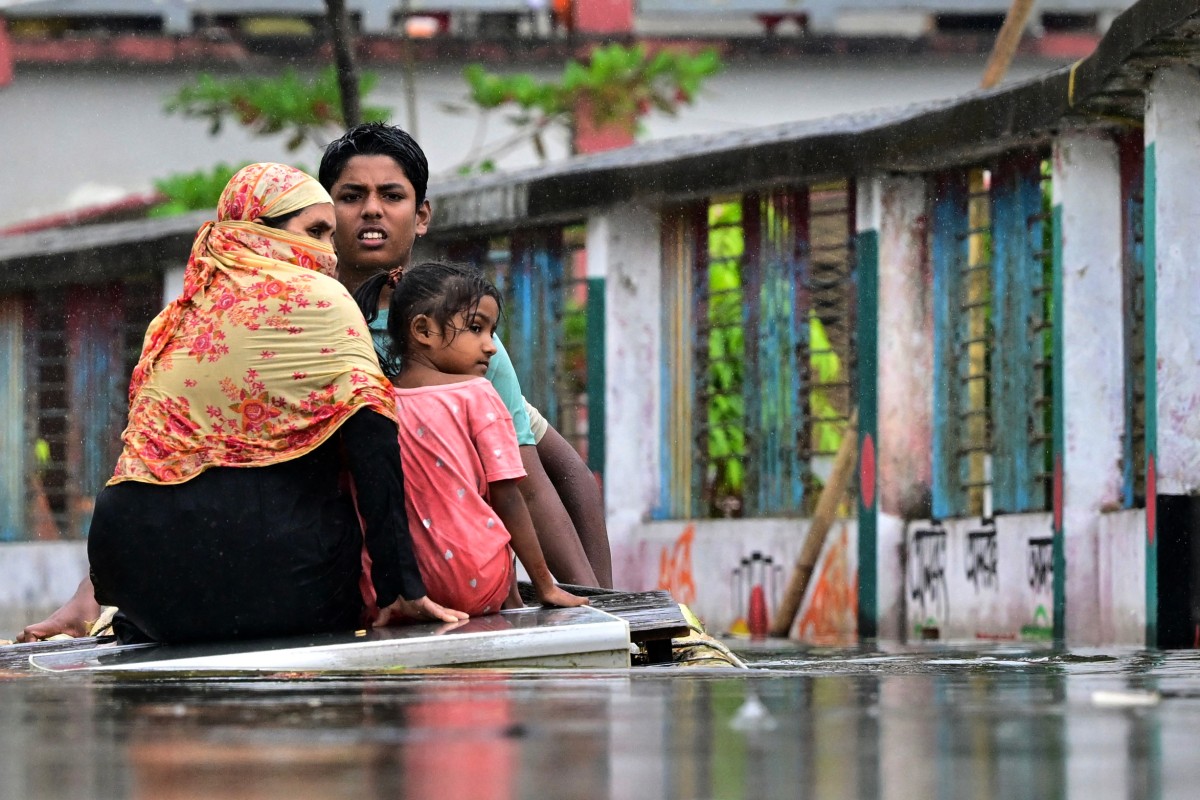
(1040, 574)
(675, 568)
(831, 614)
(1041, 565)
(754, 586)
(982, 559)
(927, 588)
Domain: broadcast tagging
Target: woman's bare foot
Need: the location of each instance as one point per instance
(73, 618)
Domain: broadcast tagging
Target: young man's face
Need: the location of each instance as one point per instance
(378, 218)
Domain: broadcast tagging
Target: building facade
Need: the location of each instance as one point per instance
(997, 290)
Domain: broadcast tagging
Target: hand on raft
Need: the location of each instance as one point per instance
(555, 595)
(422, 609)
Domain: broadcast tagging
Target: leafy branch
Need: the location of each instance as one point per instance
(304, 109)
(616, 86)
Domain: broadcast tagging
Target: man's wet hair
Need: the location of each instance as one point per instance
(376, 139)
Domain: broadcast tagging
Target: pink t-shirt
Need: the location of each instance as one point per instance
(455, 439)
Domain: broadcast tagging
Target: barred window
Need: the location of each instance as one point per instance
(992, 248)
(758, 326)
(549, 322)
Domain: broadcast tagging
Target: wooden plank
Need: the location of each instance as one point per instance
(651, 615)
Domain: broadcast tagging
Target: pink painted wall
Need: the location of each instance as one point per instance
(6, 61)
(603, 16)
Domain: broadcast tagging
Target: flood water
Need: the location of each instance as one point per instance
(939, 722)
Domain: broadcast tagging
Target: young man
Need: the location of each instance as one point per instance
(377, 175)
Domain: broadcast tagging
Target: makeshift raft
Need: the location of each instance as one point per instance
(617, 630)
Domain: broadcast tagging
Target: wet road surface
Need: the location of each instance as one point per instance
(888, 722)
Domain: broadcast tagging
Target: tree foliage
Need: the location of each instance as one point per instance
(617, 85)
(304, 109)
(192, 191)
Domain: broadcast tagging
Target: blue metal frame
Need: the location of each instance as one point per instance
(774, 270)
(948, 249)
(14, 446)
(534, 310)
(1018, 275)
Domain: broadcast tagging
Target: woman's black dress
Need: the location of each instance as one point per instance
(258, 551)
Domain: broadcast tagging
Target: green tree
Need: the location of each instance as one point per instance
(617, 85)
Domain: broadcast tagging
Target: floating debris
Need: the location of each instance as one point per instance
(1125, 699)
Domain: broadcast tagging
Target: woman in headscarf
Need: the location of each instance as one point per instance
(228, 515)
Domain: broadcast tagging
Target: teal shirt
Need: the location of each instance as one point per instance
(500, 372)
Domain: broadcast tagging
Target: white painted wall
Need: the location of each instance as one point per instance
(111, 137)
(1087, 190)
(1121, 577)
(1172, 120)
(968, 585)
(696, 559)
(35, 579)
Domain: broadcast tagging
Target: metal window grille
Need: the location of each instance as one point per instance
(541, 274)
(960, 251)
(80, 349)
(684, 254)
(1133, 213)
(721, 358)
(762, 287)
(1022, 363)
(992, 246)
(14, 443)
(46, 349)
(571, 377)
(1040, 331)
(974, 349)
(831, 286)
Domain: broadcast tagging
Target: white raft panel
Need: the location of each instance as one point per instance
(581, 637)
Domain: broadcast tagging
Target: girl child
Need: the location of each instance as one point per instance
(459, 448)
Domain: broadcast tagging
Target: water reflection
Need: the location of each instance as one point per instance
(836, 724)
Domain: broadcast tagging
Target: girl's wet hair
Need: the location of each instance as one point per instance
(440, 290)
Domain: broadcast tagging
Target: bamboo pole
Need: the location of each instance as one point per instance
(1007, 41)
(822, 521)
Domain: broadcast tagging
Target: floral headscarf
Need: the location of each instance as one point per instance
(262, 357)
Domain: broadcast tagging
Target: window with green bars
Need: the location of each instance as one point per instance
(759, 325)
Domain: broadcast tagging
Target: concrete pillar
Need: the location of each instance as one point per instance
(1087, 207)
(624, 250)
(905, 367)
(1172, 355)
(1172, 122)
(895, 403)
